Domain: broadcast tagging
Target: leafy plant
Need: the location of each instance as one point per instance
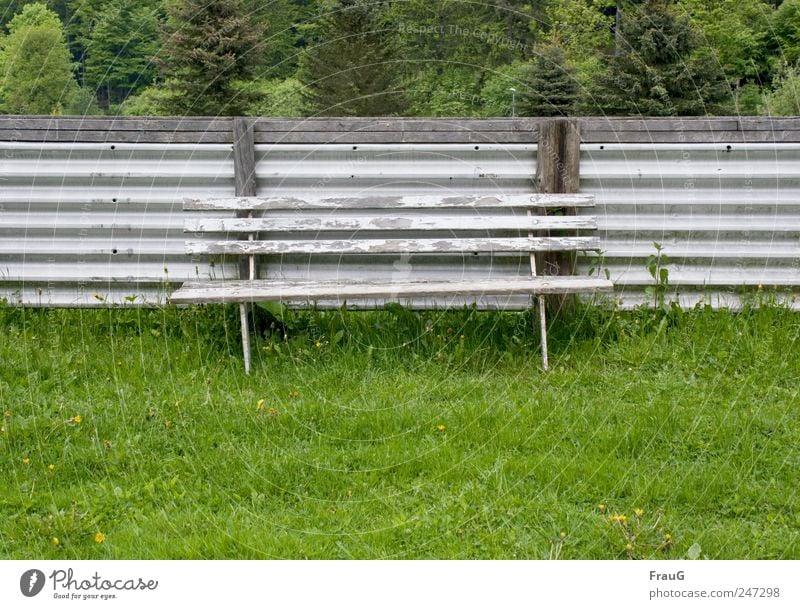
(656, 266)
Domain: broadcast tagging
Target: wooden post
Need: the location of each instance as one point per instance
(244, 176)
(557, 171)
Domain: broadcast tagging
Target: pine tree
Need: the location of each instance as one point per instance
(550, 88)
(208, 46)
(352, 69)
(659, 69)
(35, 67)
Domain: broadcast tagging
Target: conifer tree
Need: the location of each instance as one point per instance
(659, 69)
(208, 47)
(549, 89)
(352, 70)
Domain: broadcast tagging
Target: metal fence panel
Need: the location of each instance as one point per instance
(93, 224)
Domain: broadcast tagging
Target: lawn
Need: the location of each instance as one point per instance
(135, 434)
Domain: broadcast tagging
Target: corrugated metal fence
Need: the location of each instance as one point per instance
(90, 210)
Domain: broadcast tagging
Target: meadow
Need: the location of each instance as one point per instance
(658, 433)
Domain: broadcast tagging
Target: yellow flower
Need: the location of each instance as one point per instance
(629, 547)
(51, 467)
(639, 512)
(668, 538)
(318, 344)
(440, 428)
(77, 419)
(602, 508)
(99, 537)
(56, 541)
(26, 461)
(273, 412)
(260, 405)
(621, 518)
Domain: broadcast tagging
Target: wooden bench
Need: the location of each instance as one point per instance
(452, 227)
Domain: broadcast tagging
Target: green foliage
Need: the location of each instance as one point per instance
(35, 68)
(749, 99)
(277, 97)
(151, 101)
(351, 70)
(119, 53)
(10, 8)
(207, 47)
(657, 267)
(455, 92)
(580, 27)
(784, 99)
(784, 35)
(550, 87)
(496, 93)
(660, 70)
(736, 32)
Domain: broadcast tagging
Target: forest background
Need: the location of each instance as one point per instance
(400, 58)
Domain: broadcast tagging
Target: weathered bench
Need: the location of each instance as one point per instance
(452, 227)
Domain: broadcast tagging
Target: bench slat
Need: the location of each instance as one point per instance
(303, 291)
(391, 202)
(395, 246)
(387, 223)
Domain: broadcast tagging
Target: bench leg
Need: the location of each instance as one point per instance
(245, 336)
(543, 329)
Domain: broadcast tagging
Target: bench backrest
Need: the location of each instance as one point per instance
(438, 225)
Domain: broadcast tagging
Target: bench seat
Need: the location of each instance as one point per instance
(239, 291)
(455, 230)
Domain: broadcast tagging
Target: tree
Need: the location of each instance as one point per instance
(119, 54)
(209, 47)
(736, 31)
(784, 42)
(550, 88)
(35, 67)
(660, 70)
(352, 68)
(784, 99)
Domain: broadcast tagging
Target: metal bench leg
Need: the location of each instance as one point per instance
(245, 337)
(543, 327)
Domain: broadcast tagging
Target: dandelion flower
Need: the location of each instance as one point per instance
(621, 518)
(629, 547)
(99, 537)
(56, 541)
(318, 344)
(440, 428)
(260, 405)
(602, 508)
(26, 461)
(51, 467)
(639, 512)
(77, 419)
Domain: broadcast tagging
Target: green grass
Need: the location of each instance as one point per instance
(400, 435)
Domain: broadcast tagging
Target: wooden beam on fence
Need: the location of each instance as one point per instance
(244, 177)
(558, 171)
